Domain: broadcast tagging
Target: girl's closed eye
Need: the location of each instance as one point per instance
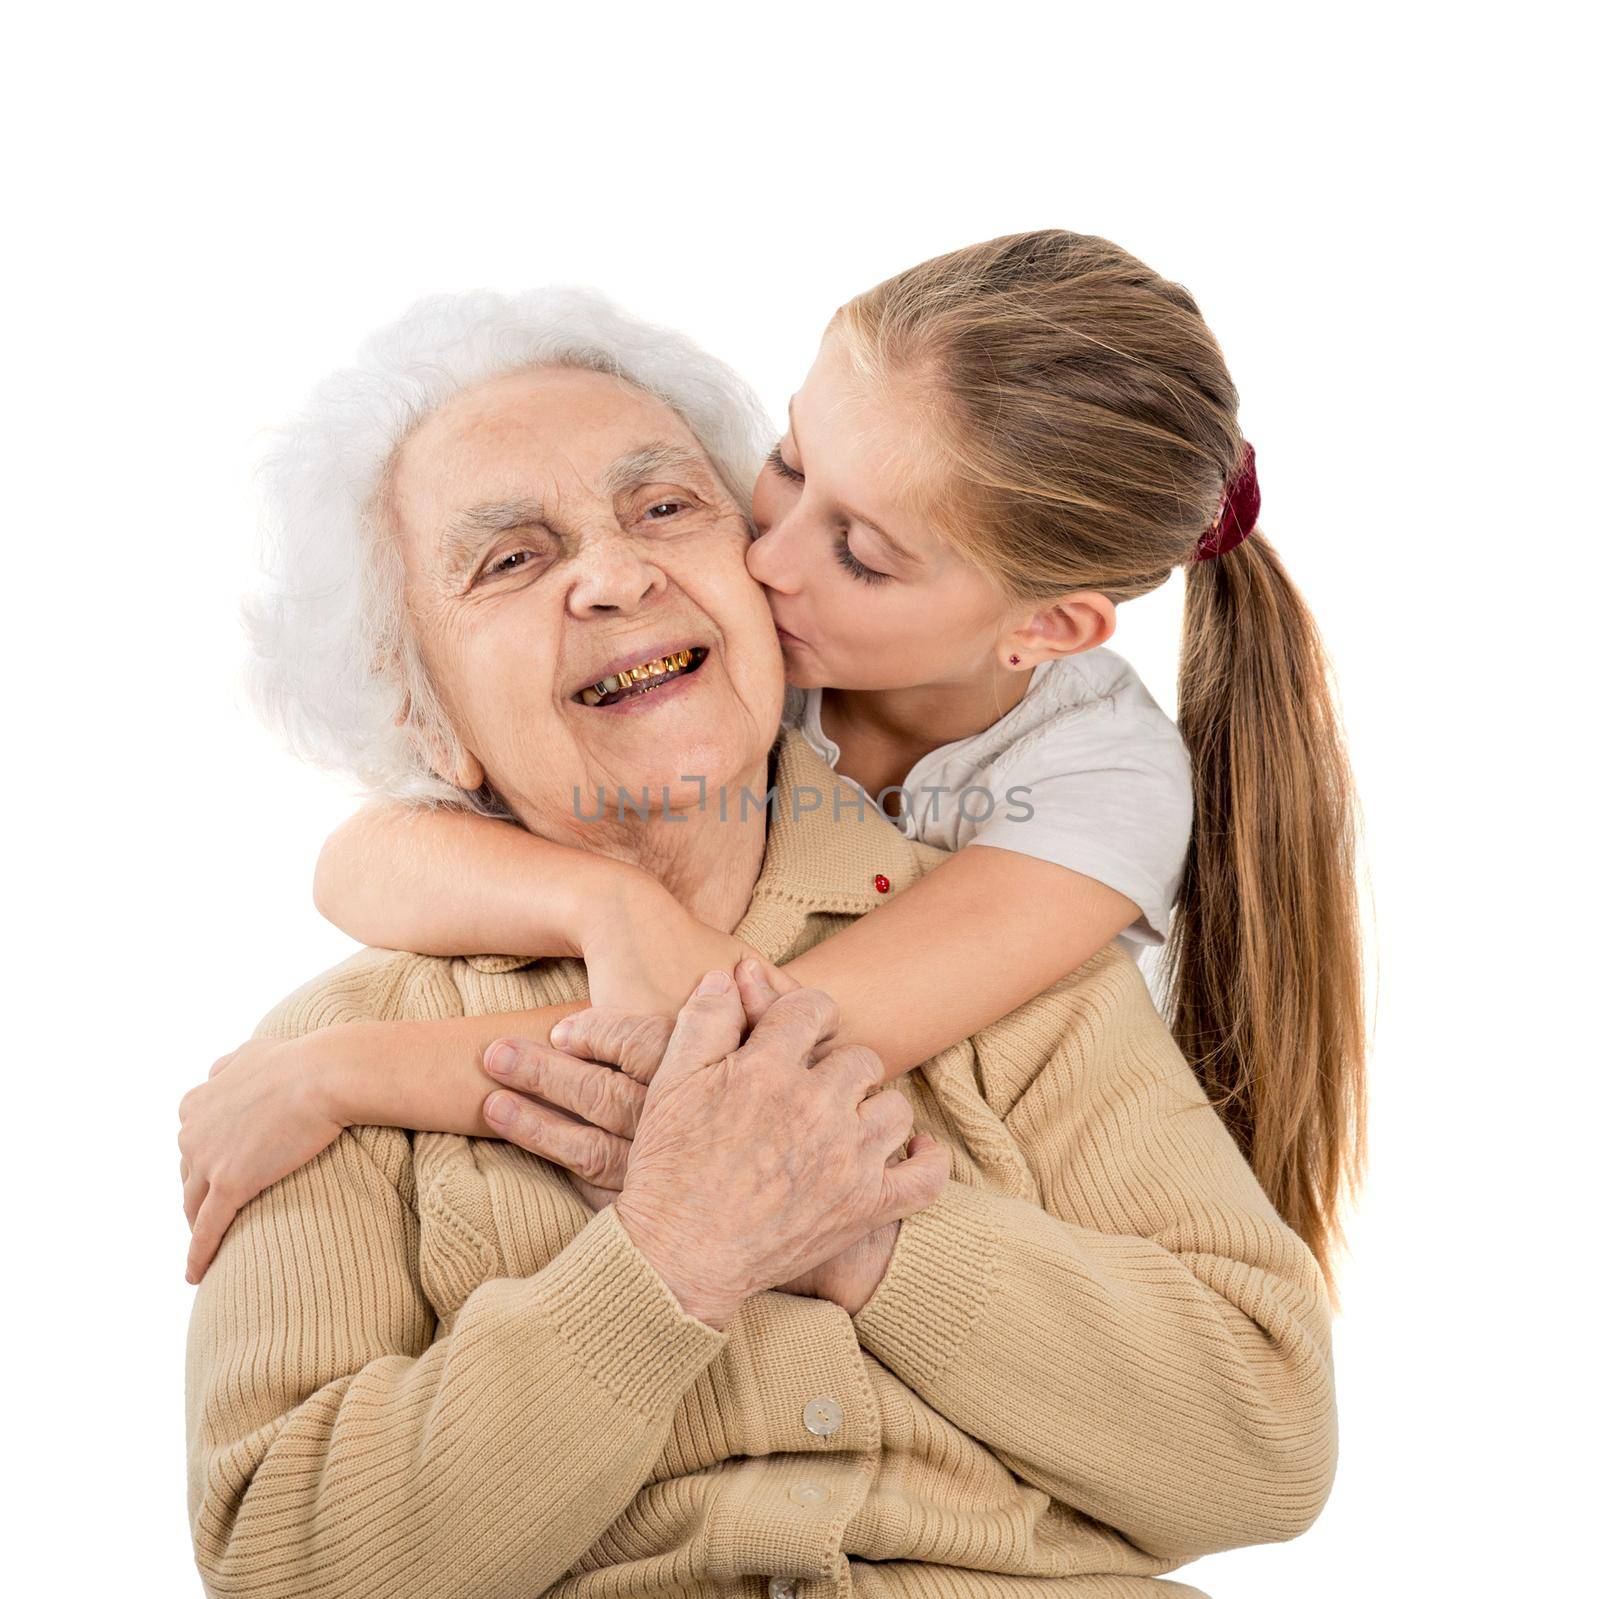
(842, 549)
(776, 461)
(867, 574)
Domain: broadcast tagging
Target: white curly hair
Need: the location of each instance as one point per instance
(332, 664)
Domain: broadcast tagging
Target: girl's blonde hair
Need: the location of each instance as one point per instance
(1080, 425)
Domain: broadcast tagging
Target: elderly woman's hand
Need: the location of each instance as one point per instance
(599, 1073)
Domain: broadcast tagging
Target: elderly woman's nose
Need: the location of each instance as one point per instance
(612, 574)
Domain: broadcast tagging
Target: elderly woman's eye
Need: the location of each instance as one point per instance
(508, 562)
(668, 506)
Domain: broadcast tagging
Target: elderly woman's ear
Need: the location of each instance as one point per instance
(466, 772)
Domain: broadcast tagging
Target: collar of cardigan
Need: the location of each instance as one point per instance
(827, 844)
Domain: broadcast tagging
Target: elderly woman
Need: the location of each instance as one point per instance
(422, 1364)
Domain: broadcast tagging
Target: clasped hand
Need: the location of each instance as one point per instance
(778, 1165)
(578, 1102)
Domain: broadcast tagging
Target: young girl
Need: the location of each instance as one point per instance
(992, 451)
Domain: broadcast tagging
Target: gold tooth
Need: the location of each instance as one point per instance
(637, 674)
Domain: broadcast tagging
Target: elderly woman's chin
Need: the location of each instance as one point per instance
(672, 725)
(709, 718)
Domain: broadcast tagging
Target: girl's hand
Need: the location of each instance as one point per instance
(578, 1106)
(259, 1115)
(644, 952)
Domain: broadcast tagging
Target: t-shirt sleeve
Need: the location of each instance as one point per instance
(1106, 793)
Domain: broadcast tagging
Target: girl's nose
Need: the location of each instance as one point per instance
(768, 558)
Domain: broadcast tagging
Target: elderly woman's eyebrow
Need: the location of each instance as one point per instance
(651, 462)
(469, 530)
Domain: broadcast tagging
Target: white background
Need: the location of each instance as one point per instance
(1379, 209)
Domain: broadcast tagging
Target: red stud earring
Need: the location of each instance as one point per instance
(1015, 659)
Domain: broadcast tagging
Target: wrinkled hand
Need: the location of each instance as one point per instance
(259, 1115)
(578, 1105)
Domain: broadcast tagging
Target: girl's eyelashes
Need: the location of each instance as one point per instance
(854, 567)
(776, 461)
(841, 547)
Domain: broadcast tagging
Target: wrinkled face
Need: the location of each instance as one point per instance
(864, 595)
(575, 577)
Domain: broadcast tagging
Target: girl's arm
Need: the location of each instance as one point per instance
(447, 882)
(437, 883)
(273, 1105)
(426, 1076)
(981, 934)
(978, 936)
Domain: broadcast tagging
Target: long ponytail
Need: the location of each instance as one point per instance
(1079, 424)
(1263, 963)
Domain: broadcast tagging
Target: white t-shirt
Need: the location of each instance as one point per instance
(1085, 770)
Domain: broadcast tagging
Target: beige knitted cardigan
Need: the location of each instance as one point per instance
(421, 1366)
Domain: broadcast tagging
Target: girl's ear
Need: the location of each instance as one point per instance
(1068, 626)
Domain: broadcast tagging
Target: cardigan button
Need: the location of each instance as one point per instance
(810, 1493)
(781, 1588)
(822, 1415)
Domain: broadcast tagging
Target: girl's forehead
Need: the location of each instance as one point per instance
(867, 431)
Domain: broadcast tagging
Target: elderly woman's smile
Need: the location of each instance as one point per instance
(622, 684)
(575, 571)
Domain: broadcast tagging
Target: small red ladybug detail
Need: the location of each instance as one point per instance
(881, 883)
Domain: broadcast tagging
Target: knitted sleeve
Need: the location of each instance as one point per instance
(342, 1442)
(1152, 1346)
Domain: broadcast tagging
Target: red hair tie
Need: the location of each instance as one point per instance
(1236, 517)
